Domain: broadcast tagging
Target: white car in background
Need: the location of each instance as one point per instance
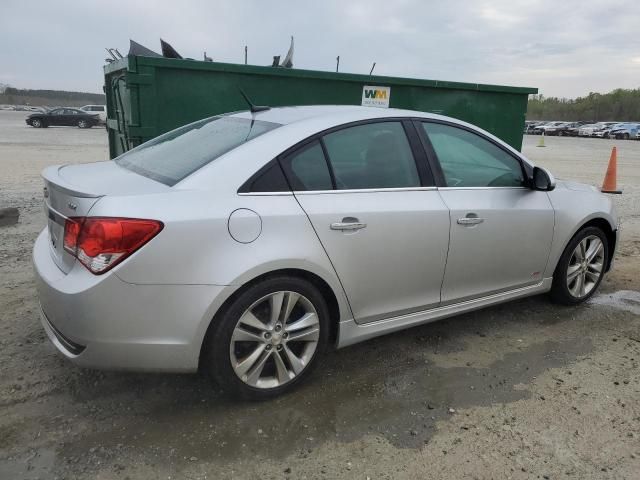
(100, 110)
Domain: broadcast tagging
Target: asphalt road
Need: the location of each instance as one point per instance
(521, 390)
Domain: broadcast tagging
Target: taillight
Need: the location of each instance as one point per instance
(100, 243)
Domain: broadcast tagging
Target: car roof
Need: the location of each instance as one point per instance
(333, 114)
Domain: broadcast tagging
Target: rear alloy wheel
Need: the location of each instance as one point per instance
(83, 124)
(625, 136)
(36, 123)
(581, 267)
(269, 338)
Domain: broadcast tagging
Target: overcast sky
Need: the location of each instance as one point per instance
(565, 48)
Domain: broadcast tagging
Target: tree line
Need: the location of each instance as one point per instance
(619, 105)
(16, 96)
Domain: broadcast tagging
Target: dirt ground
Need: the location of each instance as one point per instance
(522, 390)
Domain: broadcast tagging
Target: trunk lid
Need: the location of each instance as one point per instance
(72, 190)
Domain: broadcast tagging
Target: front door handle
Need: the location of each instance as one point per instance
(349, 224)
(470, 221)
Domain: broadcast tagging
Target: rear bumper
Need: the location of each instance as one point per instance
(104, 322)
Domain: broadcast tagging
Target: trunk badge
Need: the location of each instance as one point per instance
(72, 205)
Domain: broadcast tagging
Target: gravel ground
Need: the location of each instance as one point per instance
(521, 390)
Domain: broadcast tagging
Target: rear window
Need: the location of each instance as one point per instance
(177, 154)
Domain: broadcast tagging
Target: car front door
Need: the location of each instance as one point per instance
(369, 194)
(501, 230)
(56, 117)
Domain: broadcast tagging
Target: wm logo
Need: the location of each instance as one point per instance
(376, 94)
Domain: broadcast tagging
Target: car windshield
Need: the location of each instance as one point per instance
(173, 156)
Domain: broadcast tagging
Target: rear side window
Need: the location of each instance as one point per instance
(173, 156)
(468, 160)
(373, 155)
(307, 168)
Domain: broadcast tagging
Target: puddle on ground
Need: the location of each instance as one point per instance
(627, 300)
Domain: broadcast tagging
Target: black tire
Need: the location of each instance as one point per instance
(82, 123)
(560, 292)
(37, 123)
(625, 136)
(217, 358)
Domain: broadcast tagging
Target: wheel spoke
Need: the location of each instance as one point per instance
(593, 276)
(245, 365)
(248, 318)
(572, 272)
(308, 335)
(242, 335)
(254, 376)
(582, 284)
(594, 250)
(281, 369)
(275, 301)
(595, 266)
(307, 320)
(296, 363)
(290, 302)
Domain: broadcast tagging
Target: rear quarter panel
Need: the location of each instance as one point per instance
(196, 248)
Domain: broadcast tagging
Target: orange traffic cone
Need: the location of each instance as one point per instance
(610, 178)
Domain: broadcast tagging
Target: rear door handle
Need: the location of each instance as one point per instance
(348, 223)
(470, 221)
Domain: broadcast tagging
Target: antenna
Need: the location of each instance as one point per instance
(372, 67)
(253, 108)
(337, 63)
(245, 54)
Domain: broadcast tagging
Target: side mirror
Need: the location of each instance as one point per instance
(542, 180)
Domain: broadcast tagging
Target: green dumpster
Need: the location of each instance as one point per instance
(148, 96)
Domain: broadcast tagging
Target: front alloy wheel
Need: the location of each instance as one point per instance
(585, 266)
(581, 267)
(274, 339)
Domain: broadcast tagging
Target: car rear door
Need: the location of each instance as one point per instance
(370, 196)
(501, 231)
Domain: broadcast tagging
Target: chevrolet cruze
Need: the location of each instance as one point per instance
(246, 244)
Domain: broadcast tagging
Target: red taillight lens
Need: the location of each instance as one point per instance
(100, 243)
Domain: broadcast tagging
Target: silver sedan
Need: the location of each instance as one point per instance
(246, 244)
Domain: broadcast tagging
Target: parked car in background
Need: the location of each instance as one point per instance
(548, 127)
(71, 117)
(248, 244)
(606, 131)
(587, 130)
(100, 110)
(555, 129)
(570, 129)
(629, 130)
(532, 126)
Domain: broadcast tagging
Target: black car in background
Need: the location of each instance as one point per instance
(64, 116)
(570, 129)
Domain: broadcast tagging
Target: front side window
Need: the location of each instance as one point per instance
(373, 155)
(468, 160)
(173, 156)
